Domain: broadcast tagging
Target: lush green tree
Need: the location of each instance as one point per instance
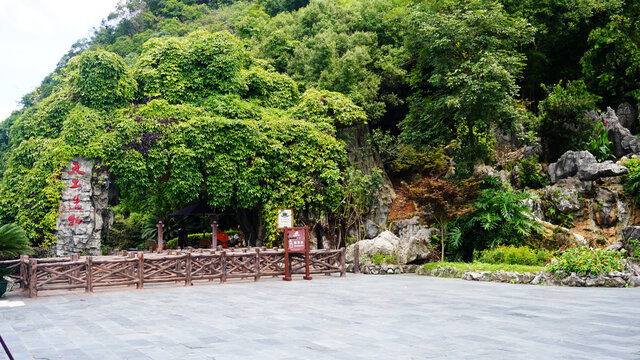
(466, 61)
(611, 64)
(30, 190)
(322, 106)
(101, 80)
(564, 124)
(563, 27)
(179, 69)
(270, 88)
(354, 48)
(273, 7)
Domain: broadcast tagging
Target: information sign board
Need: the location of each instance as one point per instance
(285, 218)
(297, 240)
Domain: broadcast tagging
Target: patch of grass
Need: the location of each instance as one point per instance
(477, 266)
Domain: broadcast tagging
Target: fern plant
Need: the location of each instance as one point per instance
(499, 217)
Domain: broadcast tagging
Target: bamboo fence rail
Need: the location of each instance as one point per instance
(129, 268)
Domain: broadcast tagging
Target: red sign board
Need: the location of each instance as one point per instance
(297, 240)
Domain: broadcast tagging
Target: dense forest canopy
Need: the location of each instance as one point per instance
(243, 104)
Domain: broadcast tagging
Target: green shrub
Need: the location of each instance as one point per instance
(632, 164)
(531, 175)
(634, 246)
(193, 240)
(478, 266)
(632, 179)
(432, 161)
(585, 260)
(379, 259)
(599, 144)
(522, 255)
(125, 233)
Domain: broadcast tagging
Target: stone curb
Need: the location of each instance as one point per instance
(628, 278)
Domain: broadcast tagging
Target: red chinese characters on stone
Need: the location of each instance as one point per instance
(74, 220)
(76, 169)
(75, 184)
(76, 203)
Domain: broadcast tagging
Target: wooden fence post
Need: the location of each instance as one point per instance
(73, 274)
(89, 272)
(257, 264)
(187, 269)
(356, 258)
(343, 261)
(24, 275)
(33, 278)
(223, 258)
(140, 270)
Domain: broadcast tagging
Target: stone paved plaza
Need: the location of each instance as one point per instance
(356, 317)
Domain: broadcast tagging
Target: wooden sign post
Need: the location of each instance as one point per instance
(296, 240)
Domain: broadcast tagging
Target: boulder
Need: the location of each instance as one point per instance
(573, 280)
(404, 249)
(599, 170)
(568, 164)
(564, 199)
(614, 281)
(584, 166)
(628, 116)
(414, 240)
(630, 232)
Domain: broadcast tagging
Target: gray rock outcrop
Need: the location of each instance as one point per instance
(564, 196)
(630, 232)
(628, 116)
(584, 166)
(623, 141)
(605, 208)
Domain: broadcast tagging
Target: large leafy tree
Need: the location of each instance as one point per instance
(209, 123)
(562, 29)
(611, 65)
(466, 62)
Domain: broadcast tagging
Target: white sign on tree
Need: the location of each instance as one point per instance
(285, 218)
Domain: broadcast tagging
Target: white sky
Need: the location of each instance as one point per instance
(34, 35)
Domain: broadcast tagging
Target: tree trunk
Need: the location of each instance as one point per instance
(442, 234)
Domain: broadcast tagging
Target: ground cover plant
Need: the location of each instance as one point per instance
(520, 255)
(479, 266)
(586, 260)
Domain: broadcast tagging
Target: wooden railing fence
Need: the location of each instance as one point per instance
(138, 268)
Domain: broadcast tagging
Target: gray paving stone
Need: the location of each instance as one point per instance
(357, 317)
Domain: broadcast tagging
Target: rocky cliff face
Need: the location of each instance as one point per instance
(83, 213)
(323, 232)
